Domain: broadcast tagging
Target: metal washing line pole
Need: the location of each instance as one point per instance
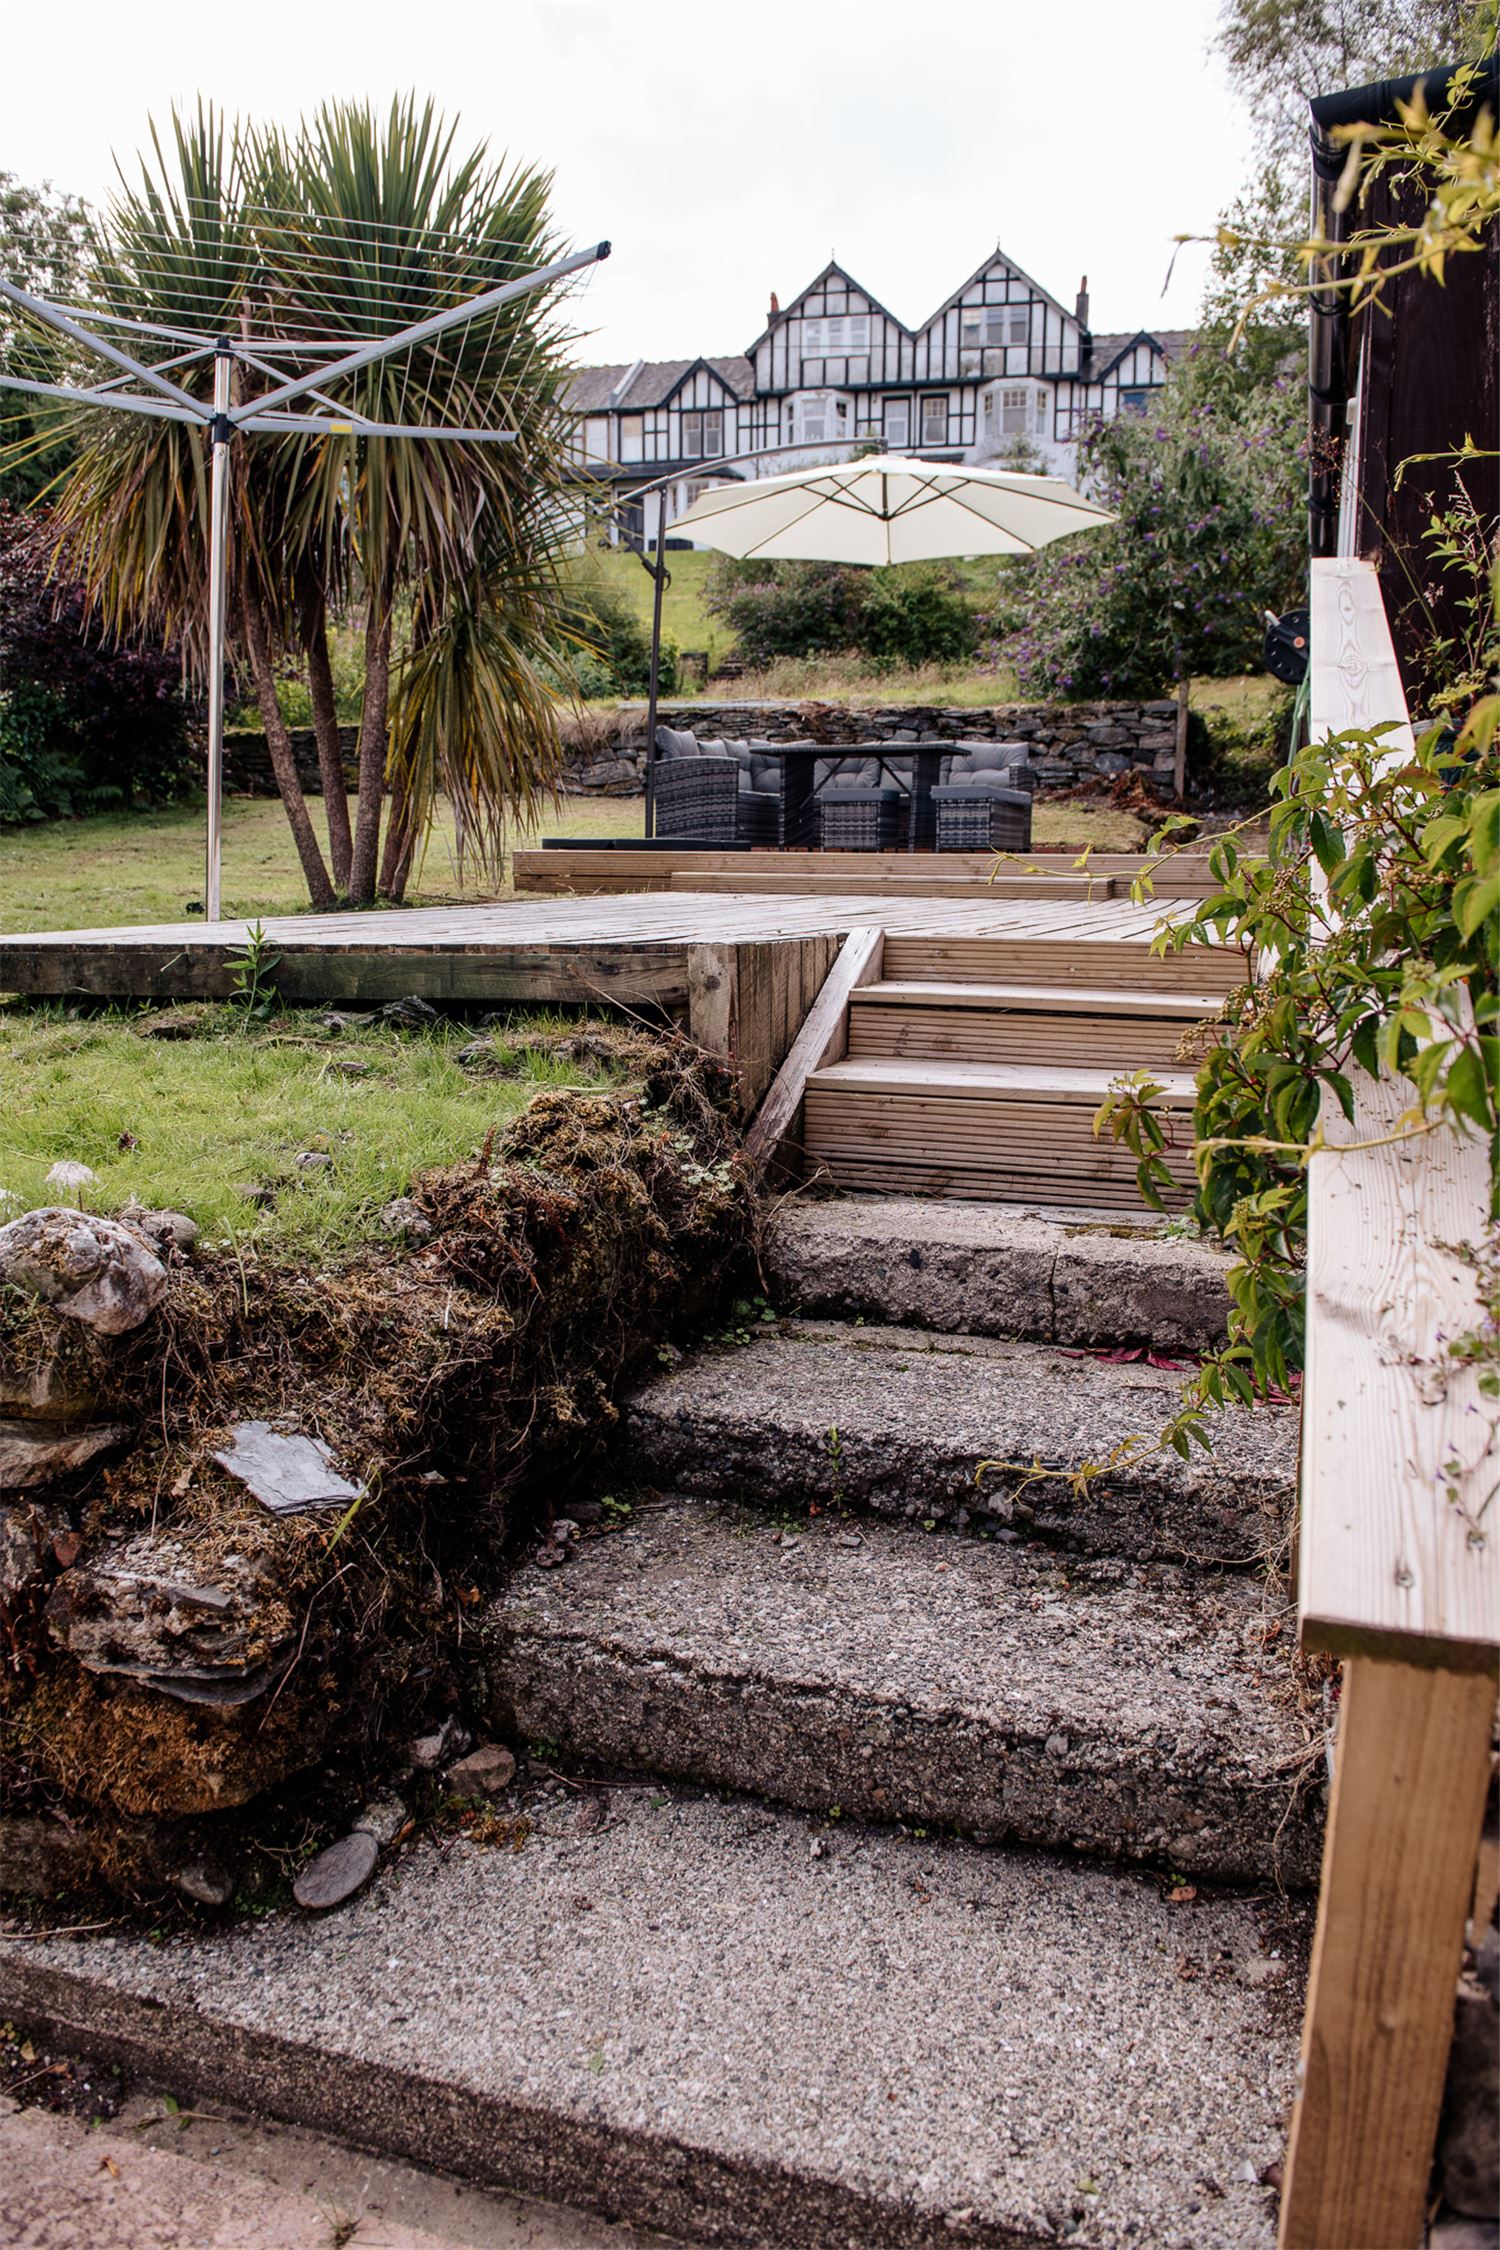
(222, 420)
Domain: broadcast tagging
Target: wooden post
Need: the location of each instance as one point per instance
(1179, 751)
(1398, 1876)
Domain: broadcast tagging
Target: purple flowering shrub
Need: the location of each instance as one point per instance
(1211, 532)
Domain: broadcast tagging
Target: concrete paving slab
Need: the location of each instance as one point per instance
(898, 1421)
(1139, 1712)
(702, 2016)
(999, 1269)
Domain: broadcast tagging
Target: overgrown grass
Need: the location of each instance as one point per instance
(853, 680)
(213, 1124)
(148, 867)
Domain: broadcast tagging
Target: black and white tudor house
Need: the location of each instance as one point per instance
(998, 363)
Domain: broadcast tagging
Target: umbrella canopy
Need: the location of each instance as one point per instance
(886, 508)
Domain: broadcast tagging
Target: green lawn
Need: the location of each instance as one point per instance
(148, 867)
(213, 1124)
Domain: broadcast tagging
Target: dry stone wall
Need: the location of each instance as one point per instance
(1068, 742)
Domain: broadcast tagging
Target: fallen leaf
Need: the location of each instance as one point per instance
(108, 2164)
(1182, 1894)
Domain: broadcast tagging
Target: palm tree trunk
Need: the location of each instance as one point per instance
(330, 751)
(372, 752)
(283, 764)
(400, 841)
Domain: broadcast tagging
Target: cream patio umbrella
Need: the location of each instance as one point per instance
(887, 508)
(880, 508)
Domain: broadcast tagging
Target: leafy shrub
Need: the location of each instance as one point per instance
(1210, 533)
(911, 615)
(83, 724)
(611, 648)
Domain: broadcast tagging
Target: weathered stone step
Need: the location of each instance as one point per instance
(711, 2019)
(1146, 1713)
(997, 1269)
(899, 1422)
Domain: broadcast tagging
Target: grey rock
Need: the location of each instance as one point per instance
(926, 1428)
(166, 1231)
(27, 1530)
(936, 1680)
(96, 1271)
(383, 1818)
(1113, 761)
(429, 1751)
(485, 1772)
(1463, 2234)
(404, 1217)
(950, 2028)
(335, 1875)
(206, 1882)
(287, 1472)
(39, 1858)
(313, 1160)
(39, 1453)
(412, 1011)
(149, 1612)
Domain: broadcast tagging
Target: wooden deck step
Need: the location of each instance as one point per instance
(1080, 962)
(1033, 1024)
(753, 883)
(1003, 1132)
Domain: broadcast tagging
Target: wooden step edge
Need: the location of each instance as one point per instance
(918, 1077)
(1041, 999)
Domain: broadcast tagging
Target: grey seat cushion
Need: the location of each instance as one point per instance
(676, 742)
(765, 771)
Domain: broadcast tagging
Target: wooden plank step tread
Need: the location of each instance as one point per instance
(1050, 999)
(966, 1081)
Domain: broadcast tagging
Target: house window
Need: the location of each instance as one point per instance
(898, 424)
(840, 332)
(987, 327)
(1041, 413)
(987, 415)
(703, 431)
(1013, 405)
(630, 437)
(935, 420)
(1020, 327)
(815, 418)
(1133, 402)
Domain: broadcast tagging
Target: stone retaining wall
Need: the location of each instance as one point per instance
(247, 761)
(1068, 742)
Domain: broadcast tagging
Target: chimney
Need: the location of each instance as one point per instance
(1081, 309)
(775, 311)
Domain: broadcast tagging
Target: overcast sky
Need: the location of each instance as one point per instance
(726, 149)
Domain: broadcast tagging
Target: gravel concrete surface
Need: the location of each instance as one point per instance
(998, 1269)
(1142, 1711)
(717, 2019)
(898, 1421)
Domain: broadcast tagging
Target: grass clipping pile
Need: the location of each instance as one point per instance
(181, 1652)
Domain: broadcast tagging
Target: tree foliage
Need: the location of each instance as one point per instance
(44, 238)
(1280, 53)
(1207, 494)
(83, 724)
(352, 227)
(911, 614)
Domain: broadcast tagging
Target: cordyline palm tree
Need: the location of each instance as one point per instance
(355, 227)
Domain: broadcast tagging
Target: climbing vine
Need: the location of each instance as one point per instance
(1370, 932)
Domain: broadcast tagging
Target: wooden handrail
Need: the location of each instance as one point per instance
(1397, 1577)
(823, 1039)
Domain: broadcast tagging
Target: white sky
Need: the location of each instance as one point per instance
(726, 149)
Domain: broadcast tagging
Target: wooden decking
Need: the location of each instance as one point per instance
(629, 948)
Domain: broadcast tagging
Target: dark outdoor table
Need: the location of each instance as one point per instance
(799, 812)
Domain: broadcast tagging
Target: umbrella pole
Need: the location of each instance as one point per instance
(658, 570)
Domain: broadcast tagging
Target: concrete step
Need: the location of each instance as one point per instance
(997, 1269)
(1143, 1713)
(898, 1422)
(711, 2019)
(195, 2176)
